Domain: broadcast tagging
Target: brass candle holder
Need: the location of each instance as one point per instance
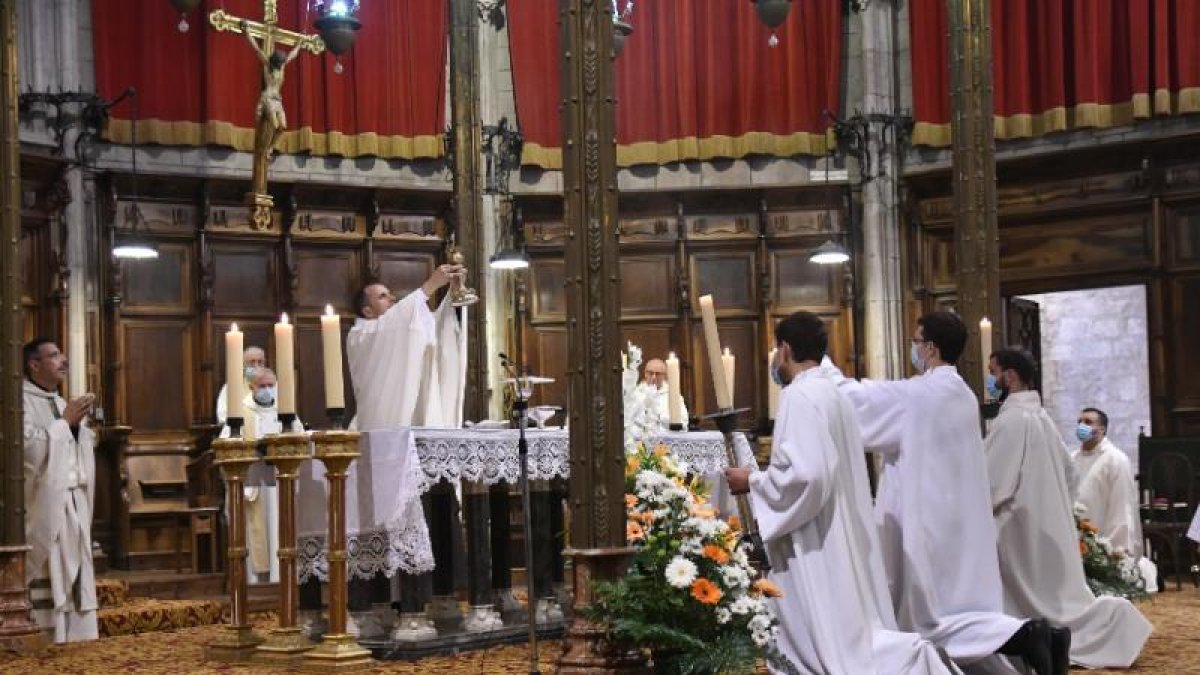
(287, 452)
(338, 649)
(237, 640)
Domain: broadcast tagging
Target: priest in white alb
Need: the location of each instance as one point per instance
(407, 363)
(253, 358)
(1108, 492)
(653, 397)
(261, 418)
(1040, 565)
(933, 511)
(60, 473)
(813, 509)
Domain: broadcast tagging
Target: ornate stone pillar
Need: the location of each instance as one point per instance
(593, 288)
(976, 240)
(884, 329)
(17, 629)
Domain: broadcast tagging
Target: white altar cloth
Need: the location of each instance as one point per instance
(385, 523)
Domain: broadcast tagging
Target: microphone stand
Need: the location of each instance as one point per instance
(519, 407)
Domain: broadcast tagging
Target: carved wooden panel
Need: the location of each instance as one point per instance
(549, 300)
(653, 228)
(782, 224)
(163, 284)
(158, 217)
(741, 337)
(799, 283)
(236, 218)
(395, 226)
(655, 340)
(325, 275)
(245, 278)
(1184, 336)
(648, 285)
(729, 276)
(401, 271)
(1183, 232)
(1069, 247)
(329, 225)
(943, 266)
(156, 373)
(545, 232)
(731, 226)
(547, 356)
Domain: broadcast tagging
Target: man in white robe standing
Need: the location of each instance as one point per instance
(813, 509)
(60, 475)
(1108, 492)
(933, 510)
(261, 493)
(1040, 564)
(407, 363)
(652, 395)
(408, 368)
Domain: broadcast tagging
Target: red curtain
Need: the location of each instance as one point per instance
(1065, 64)
(201, 87)
(697, 80)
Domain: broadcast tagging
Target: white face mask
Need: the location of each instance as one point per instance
(265, 396)
(915, 356)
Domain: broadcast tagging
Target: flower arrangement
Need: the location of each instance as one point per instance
(1109, 570)
(690, 595)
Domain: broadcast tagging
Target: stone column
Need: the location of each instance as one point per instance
(17, 629)
(976, 240)
(884, 328)
(593, 290)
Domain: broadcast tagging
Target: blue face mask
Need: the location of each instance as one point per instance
(1084, 433)
(993, 386)
(776, 377)
(265, 396)
(915, 357)
(249, 372)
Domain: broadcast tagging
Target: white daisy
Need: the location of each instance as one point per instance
(681, 572)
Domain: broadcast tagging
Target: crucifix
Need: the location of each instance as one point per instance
(270, 119)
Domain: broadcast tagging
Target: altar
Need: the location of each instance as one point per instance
(388, 528)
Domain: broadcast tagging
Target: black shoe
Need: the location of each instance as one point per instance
(1032, 642)
(1060, 648)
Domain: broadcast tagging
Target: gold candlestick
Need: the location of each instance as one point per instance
(237, 640)
(287, 452)
(461, 295)
(338, 650)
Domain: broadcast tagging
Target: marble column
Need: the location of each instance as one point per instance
(879, 271)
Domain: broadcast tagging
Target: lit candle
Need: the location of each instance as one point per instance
(285, 362)
(985, 346)
(674, 396)
(331, 346)
(713, 343)
(772, 389)
(234, 383)
(624, 361)
(727, 360)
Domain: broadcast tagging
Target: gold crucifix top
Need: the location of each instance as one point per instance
(267, 30)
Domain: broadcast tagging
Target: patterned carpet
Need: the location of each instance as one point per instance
(1174, 649)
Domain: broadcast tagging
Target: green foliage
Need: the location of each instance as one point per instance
(1108, 571)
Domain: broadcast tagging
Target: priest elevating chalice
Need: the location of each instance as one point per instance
(461, 295)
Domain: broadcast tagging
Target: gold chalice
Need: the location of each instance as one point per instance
(461, 295)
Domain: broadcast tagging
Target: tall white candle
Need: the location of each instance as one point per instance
(772, 389)
(728, 361)
(285, 363)
(674, 409)
(331, 349)
(712, 341)
(234, 378)
(985, 345)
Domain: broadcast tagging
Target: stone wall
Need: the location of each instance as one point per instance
(1095, 353)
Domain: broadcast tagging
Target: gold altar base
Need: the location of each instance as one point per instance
(337, 653)
(234, 644)
(283, 644)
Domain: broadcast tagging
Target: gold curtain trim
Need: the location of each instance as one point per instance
(693, 148)
(296, 141)
(1082, 116)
